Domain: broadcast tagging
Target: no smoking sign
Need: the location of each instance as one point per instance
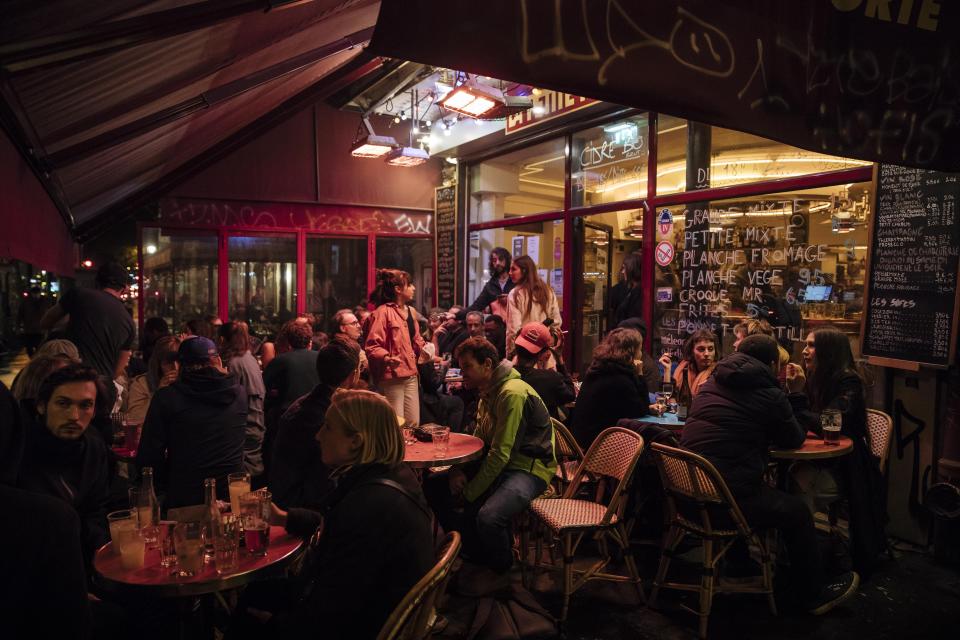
(664, 253)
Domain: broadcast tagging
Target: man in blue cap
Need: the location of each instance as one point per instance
(194, 428)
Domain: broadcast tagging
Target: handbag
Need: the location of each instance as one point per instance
(511, 615)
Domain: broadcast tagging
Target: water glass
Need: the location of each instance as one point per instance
(133, 548)
(239, 484)
(256, 527)
(408, 437)
(226, 543)
(119, 521)
(188, 543)
(441, 441)
(168, 554)
(661, 403)
(831, 421)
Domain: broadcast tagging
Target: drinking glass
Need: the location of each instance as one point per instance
(131, 437)
(661, 402)
(266, 500)
(441, 441)
(408, 437)
(168, 554)
(831, 421)
(239, 484)
(226, 543)
(119, 521)
(132, 548)
(256, 528)
(140, 503)
(188, 543)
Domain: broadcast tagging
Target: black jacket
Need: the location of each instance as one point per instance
(553, 387)
(491, 291)
(858, 473)
(298, 478)
(610, 392)
(376, 544)
(75, 471)
(737, 415)
(194, 429)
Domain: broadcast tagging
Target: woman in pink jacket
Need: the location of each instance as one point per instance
(394, 345)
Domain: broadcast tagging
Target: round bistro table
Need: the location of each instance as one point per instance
(462, 448)
(814, 448)
(164, 582)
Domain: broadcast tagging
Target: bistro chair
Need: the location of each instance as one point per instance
(880, 430)
(569, 455)
(414, 617)
(612, 457)
(700, 505)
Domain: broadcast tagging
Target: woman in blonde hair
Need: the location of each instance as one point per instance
(530, 300)
(372, 536)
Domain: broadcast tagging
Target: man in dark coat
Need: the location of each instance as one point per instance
(739, 413)
(63, 458)
(499, 283)
(299, 478)
(195, 428)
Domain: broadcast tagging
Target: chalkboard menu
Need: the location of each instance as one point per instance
(445, 208)
(911, 309)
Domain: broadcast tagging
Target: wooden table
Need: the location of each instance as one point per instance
(462, 448)
(814, 448)
(164, 582)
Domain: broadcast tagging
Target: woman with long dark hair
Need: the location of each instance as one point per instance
(830, 379)
(394, 344)
(631, 306)
(530, 300)
(162, 371)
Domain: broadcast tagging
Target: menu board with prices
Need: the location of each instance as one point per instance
(911, 315)
(446, 245)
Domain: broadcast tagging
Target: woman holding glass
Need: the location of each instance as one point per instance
(700, 354)
(829, 384)
(530, 300)
(371, 539)
(394, 345)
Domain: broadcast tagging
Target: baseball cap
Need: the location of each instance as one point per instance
(196, 349)
(534, 337)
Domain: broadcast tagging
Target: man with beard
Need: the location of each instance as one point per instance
(494, 293)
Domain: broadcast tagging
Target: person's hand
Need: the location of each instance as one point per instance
(796, 378)
(457, 480)
(657, 409)
(277, 515)
(665, 361)
(168, 378)
(391, 361)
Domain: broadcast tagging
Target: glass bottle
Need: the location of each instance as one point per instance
(211, 516)
(148, 507)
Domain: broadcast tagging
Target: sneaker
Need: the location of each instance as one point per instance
(837, 591)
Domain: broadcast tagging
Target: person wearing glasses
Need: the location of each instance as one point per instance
(346, 326)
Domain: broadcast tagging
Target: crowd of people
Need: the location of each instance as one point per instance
(315, 416)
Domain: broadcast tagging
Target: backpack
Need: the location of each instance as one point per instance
(510, 615)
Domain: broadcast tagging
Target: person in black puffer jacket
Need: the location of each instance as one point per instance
(612, 388)
(195, 428)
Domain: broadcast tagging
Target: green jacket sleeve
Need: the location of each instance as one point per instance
(508, 412)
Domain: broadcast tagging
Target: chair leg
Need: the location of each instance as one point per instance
(567, 573)
(524, 547)
(623, 540)
(766, 561)
(706, 586)
(670, 542)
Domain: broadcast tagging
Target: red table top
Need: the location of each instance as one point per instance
(159, 581)
(463, 448)
(814, 448)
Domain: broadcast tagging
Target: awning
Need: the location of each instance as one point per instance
(871, 80)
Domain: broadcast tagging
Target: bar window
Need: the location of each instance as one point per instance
(179, 276)
(263, 281)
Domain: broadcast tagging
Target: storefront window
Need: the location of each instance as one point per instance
(609, 162)
(608, 239)
(263, 281)
(336, 275)
(179, 276)
(517, 184)
(542, 241)
(415, 256)
(671, 154)
(796, 259)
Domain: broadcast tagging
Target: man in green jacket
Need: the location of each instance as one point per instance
(520, 461)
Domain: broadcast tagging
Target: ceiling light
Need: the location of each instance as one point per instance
(371, 145)
(472, 99)
(407, 157)
(538, 110)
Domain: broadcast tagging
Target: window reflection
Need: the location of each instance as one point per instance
(263, 284)
(336, 275)
(179, 276)
(520, 183)
(415, 256)
(609, 162)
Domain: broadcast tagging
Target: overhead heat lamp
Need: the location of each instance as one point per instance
(483, 102)
(369, 145)
(410, 156)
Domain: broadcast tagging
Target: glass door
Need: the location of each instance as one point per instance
(594, 285)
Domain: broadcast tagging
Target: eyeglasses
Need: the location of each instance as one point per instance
(354, 323)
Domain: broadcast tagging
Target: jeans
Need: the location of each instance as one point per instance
(493, 513)
(403, 394)
(773, 509)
